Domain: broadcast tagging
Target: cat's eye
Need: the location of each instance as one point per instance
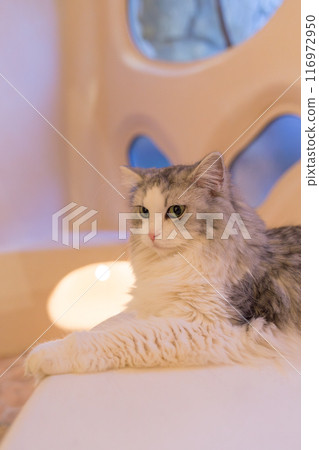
(175, 211)
(143, 212)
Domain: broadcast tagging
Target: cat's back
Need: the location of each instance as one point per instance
(284, 267)
(272, 289)
(284, 244)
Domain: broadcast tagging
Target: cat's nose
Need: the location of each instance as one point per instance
(152, 236)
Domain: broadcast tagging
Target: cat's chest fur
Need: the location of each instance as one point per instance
(171, 287)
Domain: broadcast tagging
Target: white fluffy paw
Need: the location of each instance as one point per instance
(49, 358)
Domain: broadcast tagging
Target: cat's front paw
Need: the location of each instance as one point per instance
(49, 358)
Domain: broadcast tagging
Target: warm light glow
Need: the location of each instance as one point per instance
(102, 272)
(84, 301)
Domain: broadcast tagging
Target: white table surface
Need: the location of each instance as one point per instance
(208, 408)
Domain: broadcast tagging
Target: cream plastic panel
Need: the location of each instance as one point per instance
(189, 109)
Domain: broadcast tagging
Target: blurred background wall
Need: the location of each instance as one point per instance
(32, 170)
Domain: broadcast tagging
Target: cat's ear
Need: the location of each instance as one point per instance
(210, 172)
(130, 177)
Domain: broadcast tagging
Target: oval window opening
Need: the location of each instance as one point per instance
(188, 30)
(260, 165)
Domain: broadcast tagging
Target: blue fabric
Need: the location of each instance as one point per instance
(144, 153)
(187, 30)
(243, 18)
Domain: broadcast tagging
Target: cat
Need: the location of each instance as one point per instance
(197, 300)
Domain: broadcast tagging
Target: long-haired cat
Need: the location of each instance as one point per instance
(202, 295)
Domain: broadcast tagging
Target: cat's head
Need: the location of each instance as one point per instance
(173, 200)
